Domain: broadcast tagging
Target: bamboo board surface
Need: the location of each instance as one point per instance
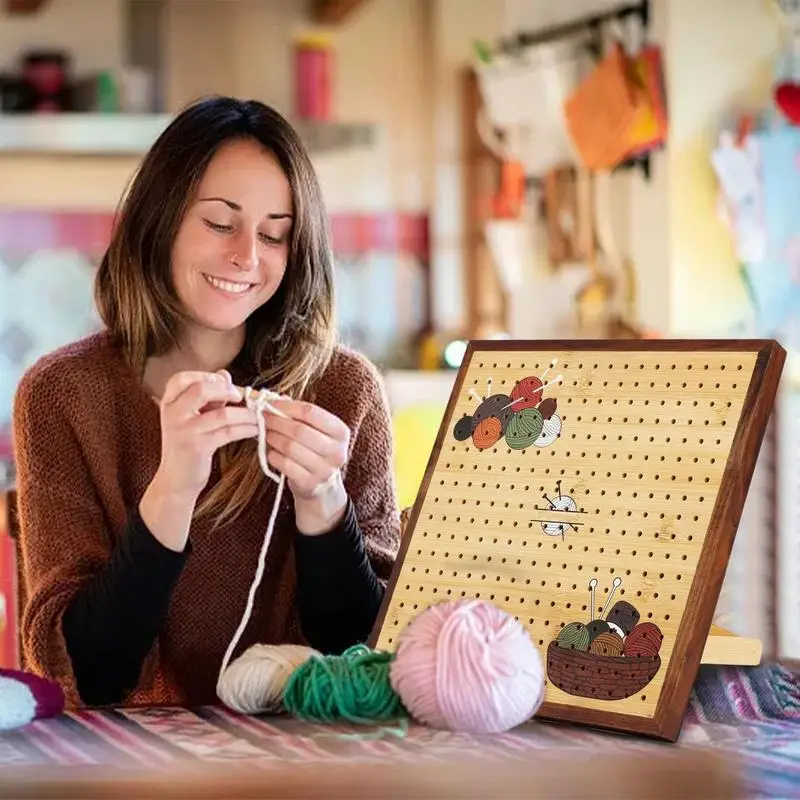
(615, 517)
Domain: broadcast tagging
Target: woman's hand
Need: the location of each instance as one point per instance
(309, 446)
(196, 420)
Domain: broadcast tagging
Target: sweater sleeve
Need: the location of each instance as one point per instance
(342, 575)
(338, 593)
(369, 475)
(111, 623)
(68, 553)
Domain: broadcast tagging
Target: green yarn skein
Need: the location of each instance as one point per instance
(352, 687)
(524, 428)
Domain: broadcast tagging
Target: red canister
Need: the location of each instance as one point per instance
(313, 78)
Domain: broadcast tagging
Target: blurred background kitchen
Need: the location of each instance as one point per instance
(492, 168)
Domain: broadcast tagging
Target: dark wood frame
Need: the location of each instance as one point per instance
(667, 720)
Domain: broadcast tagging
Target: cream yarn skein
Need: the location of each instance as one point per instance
(254, 683)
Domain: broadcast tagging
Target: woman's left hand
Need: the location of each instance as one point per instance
(309, 446)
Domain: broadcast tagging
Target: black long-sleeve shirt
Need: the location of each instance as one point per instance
(120, 612)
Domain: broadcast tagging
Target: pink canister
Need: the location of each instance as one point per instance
(313, 78)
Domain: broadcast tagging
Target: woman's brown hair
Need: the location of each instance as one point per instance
(290, 339)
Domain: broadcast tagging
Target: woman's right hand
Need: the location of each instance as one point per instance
(197, 418)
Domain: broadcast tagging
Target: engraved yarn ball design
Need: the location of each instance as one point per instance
(643, 641)
(607, 644)
(596, 627)
(487, 433)
(463, 429)
(616, 629)
(574, 636)
(494, 406)
(524, 428)
(551, 430)
(528, 393)
(547, 407)
(624, 616)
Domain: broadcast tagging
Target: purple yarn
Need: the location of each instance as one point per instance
(49, 696)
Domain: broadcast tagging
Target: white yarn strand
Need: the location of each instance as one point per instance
(259, 400)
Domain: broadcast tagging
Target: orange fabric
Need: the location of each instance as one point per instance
(649, 129)
(601, 113)
(511, 196)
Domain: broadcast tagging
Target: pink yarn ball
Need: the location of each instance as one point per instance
(466, 665)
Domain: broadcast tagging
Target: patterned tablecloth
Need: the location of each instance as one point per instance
(753, 714)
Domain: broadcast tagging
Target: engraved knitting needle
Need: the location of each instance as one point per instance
(592, 586)
(615, 585)
(539, 390)
(566, 504)
(552, 364)
(556, 508)
(558, 486)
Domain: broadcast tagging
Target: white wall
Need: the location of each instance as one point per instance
(90, 30)
(455, 24)
(380, 78)
(721, 59)
(231, 48)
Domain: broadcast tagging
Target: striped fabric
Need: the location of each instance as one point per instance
(753, 713)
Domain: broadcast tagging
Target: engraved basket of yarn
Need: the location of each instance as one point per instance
(607, 659)
(468, 665)
(617, 676)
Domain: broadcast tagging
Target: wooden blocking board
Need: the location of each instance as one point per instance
(593, 490)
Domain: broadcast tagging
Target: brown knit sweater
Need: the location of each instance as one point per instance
(87, 441)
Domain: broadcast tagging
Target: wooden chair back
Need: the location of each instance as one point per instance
(11, 525)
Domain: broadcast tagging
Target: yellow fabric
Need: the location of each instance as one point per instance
(415, 430)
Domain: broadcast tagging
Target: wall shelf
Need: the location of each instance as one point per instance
(91, 134)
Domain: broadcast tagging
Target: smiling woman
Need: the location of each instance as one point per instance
(142, 503)
(234, 246)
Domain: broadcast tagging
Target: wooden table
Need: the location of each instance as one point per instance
(679, 774)
(211, 752)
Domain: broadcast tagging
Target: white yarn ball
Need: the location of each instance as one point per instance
(254, 683)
